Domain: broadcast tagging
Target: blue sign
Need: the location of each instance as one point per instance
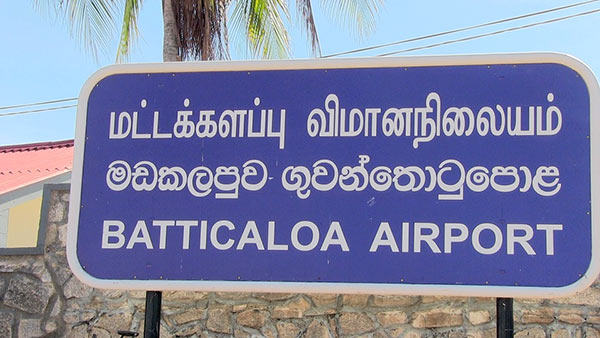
(445, 175)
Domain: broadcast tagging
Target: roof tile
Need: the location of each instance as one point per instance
(25, 164)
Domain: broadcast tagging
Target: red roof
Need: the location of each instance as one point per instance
(25, 164)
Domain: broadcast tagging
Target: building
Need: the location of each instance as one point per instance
(24, 169)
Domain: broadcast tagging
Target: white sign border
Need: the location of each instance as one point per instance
(339, 288)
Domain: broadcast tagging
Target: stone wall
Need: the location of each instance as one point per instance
(41, 298)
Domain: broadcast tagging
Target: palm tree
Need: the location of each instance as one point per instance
(199, 29)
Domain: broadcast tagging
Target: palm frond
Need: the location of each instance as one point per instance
(261, 22)
(358, 15)
(201, 26)
(91, 22)
(304, 8)
(129, 31)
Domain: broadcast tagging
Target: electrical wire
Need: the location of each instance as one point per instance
(491, 33)
(458, 30)
(375, 47)
(37, 110)
(38, 103)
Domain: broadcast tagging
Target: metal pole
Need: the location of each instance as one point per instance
(504, 318)
(152, 319)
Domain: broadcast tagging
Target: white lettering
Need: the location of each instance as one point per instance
(140, 235)
(497, 238)
(314, 235)
(449, 238)
(250, 236)
(429, 239)
(107, 234)
(335, 229)
(384, 236)
(512, 238)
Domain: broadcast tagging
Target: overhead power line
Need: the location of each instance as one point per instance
(458, 30)
(38, 103)
(37, 110)
(371, 48)
(491, 33)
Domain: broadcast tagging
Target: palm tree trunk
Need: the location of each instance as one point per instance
(170, 39)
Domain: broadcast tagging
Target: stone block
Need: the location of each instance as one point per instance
(233, 295)
(30, 328)
(395, 333)
(75, 289)
(291, 309)
(355, 300)
(591, 332)
(57, 212)
(593, 319)
(324, 300)
(219, 320)
(252, 318)
(394, 301)
(273, 296)
(62, 236)
(479, 317)
(528, 301)
(538, 316)
(14, 264)
(62, 273)
(97, 332)
(320, 311)
(269, 331)
(178, 296)
(483, 300)
(412, 334)
(6, 322)
(114, 321)
(571, 318)
(78, 331)
(190, 315)
(3, 285)
(438, 318)
(455, 333)
(379, 334)
(561, 333)
(240, 333)
(137, 294)
(535, 332)
(247, 306)
(488, 333)
(71, 317)
(317, 329)
(589, 297)
(238, 307)
(54, 197)
(355, 323)
(391, 318)
(87, 315)
(51, 236)
(38, 268)
(288, 329)
(113, 294)
(27, 294)
(64, 195)
(186, 331)
(441, 299)
(51, 326)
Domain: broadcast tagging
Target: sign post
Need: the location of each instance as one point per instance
(504, 318)
(462, 175)
(152, 314)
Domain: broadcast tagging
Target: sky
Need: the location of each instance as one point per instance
(40, 61)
